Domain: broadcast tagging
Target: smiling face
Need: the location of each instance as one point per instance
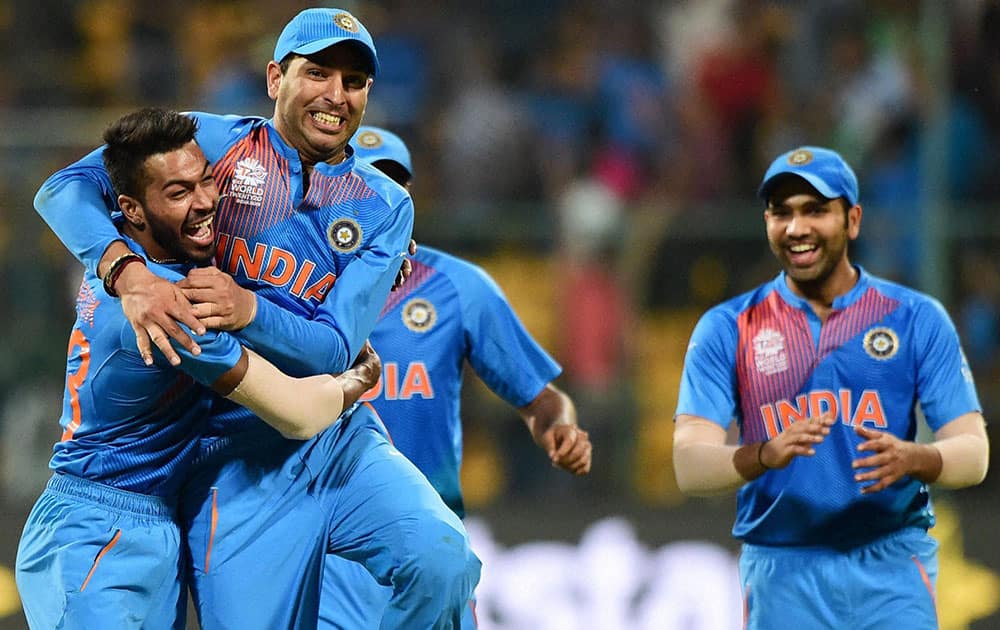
(175, 218)
(809, 234)
(320, 100)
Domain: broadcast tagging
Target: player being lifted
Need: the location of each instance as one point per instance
(101, 548)
(313, 241)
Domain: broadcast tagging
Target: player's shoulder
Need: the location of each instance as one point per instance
(464, 273)
(911, 299)
(731, 308)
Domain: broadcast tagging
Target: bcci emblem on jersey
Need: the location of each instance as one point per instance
(344, 235)
(881, 343)
(419, 315)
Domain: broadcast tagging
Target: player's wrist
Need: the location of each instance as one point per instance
(116, 279)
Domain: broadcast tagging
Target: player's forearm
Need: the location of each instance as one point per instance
(964, 460)
(710, 469)
(551, 406)
(76, 208)
(298, 408)
(296, 345)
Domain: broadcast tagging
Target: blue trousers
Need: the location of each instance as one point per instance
(888, 583)
(352, 600)
(263, 513)
(93, 556)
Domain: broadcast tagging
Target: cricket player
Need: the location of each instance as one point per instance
(101, 548)
(313, 240)
(448, 312)
(825, 370)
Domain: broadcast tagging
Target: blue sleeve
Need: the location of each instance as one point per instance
(220, 352)
(338, 329)
(500, 350)
(216, 133)
(708, 383)
(945, 386)
(76, 202)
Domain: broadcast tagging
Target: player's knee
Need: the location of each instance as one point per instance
(441, 558)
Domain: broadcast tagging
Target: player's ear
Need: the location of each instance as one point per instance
(273, 79)
(133, 211)
(854, 221)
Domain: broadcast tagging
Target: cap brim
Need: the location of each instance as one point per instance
(813, 180)
(323, 44)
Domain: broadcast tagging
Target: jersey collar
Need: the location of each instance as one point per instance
(839, 303)
(292, 155)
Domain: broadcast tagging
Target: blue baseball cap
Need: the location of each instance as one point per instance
(313, 30)
(825, 170)
(372, 144)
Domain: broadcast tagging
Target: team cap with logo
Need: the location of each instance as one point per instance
(313, 30)
(372, 144)
(824, 169)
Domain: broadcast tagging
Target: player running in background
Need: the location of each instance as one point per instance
(823, 369)
(101, 548)
(299, 214)
(448, 312)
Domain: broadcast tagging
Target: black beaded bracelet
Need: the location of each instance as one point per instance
(760, 460)
(115, 270)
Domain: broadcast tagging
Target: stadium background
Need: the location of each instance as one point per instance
(599, 158)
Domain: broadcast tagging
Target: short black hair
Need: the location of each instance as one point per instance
(134, 137)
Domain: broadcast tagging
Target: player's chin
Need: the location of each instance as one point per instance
(201, 256)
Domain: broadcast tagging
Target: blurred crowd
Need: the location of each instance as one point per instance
(622, 141)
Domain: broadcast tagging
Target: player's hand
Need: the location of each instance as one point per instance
(568, 447)
(798, 440)
(368, 366)
(406, 268)
(153, 306)
(217, 300)
(891, 458)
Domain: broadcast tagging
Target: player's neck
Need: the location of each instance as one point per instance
(822, 292)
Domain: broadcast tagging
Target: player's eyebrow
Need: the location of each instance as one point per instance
(187, 182)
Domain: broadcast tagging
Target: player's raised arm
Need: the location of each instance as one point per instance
(337, 330)
(299, 408)
(76, 202)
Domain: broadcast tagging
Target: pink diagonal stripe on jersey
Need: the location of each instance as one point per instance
(793, 357)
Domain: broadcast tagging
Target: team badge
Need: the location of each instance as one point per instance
(247, 185)
(369, 140)
(881, 343)
(800, 157)
(419, 315)
(344, 235)
(769, 353)
(346, 21)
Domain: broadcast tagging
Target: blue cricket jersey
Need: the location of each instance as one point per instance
(126, 424)
(449, 311)
(764, 359)
(288, 243)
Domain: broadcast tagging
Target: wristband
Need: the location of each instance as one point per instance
(760, 451)
(115, 271)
